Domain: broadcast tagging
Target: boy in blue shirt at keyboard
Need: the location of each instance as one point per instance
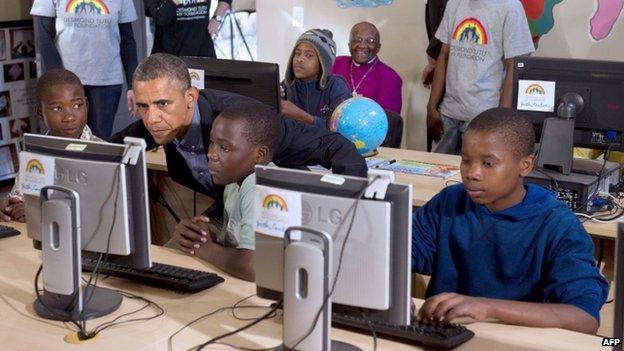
(497, 248)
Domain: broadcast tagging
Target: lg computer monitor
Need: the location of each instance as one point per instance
(600, 84)
(111, 181)
(376, 264)
(257, 80)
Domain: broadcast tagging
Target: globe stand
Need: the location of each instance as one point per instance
(371, 154)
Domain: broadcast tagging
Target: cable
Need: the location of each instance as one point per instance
(370, 326)
(595, 219)
(233, 307)
(40, 299)
(114, 322)
(237, 347)
(247, 326)
(95, 273)
(340, 257)
(237, 305)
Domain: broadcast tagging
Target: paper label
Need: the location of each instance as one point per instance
(75, 147)
(333, 179)
(275, 210)
(197, 78)
(536, 95)
(36, 171)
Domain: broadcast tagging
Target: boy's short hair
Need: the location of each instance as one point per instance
(514, 126)
(262, 123)
(55, 77)
(163, 65)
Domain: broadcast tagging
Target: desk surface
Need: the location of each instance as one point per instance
(21, 329)
(424, 187)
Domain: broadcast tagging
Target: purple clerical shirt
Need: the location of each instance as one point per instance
(381, 83)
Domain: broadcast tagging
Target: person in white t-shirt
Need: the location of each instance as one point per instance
(93, 39)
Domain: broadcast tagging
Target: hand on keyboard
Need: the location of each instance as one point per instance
(439, 336)
(446, 307)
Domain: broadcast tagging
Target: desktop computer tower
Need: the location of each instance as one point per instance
(576, 188)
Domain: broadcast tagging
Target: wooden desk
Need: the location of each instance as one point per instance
(156, 160)
(21, 329)
(424, 187)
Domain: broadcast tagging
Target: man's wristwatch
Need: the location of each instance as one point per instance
(217, 18)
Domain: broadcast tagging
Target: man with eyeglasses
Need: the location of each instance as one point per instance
(364, 71)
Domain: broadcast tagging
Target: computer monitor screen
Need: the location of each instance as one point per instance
(600, 84)
(111, 181)
(376, 264)
(257, 80)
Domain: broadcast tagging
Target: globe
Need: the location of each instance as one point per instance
(362, 121)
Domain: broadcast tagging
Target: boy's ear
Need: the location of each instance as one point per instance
(262, 155)
(526, 165)
(38, 110)
(191, 96)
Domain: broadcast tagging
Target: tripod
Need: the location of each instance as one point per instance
(230, 17)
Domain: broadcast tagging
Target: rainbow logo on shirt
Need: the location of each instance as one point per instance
(34, 166)
(535, 89)
(273, 201)
(471, 30)
(87, 7)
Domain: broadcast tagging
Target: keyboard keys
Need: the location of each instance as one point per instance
(160, 275)
(6, 231)
(438, 336)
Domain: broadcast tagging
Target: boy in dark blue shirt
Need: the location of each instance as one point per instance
(496, 248)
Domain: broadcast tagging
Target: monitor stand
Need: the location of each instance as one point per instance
(97, 302)
(307, 281)
(63, 298)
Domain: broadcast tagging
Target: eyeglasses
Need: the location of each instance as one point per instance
(369, 41)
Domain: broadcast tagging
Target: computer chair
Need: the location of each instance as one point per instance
(395, 130)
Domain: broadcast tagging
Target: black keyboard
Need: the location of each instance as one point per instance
(436, 336)
(6, 231)
(160, 275)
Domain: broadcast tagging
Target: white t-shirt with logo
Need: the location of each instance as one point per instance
(480, 35)
(87, 36)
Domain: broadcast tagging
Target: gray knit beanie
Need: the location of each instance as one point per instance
(321, 40)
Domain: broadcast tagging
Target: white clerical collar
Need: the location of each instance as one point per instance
(369, 62)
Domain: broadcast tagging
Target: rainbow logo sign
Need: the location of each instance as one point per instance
(471, 30)
(87, 7)
(273, 201)
(34, 166)
(535, 89)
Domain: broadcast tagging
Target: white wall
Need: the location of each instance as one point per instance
(404, 39)
(570, 35)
